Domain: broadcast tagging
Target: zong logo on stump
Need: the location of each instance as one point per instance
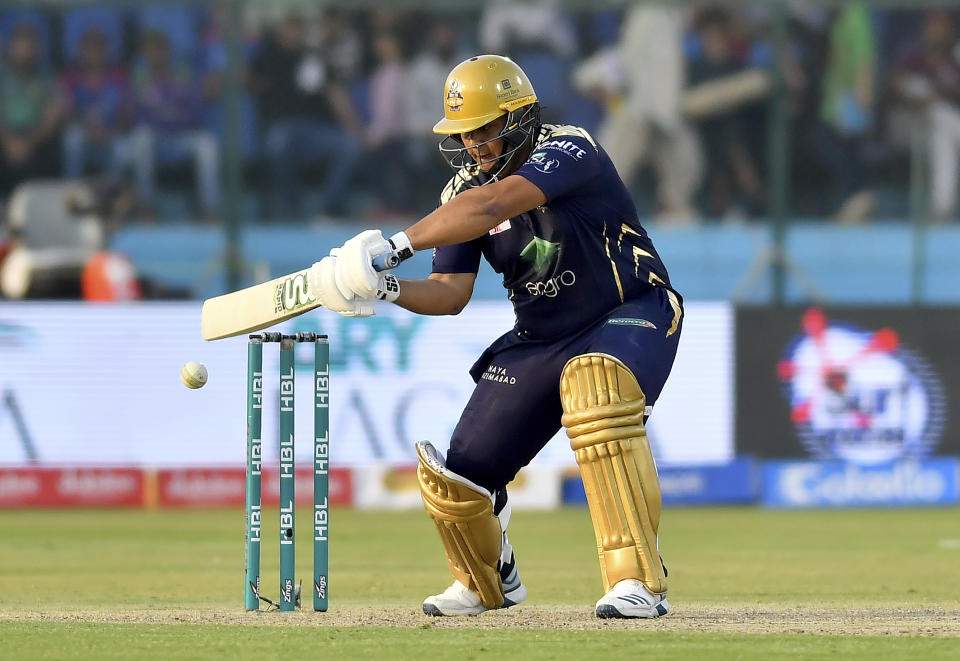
(859, 395)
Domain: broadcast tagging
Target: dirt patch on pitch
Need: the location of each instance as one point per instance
(691, 618)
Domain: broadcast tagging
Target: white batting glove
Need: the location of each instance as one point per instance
(388, 287)
(355, 274)
(321, 280)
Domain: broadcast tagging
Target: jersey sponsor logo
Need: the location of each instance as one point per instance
(630, 321)
(551, 287)
(543, 163)
(455, 95)
(292, 293)
(860, 395)
(498, 375)
(539, 252)
(502, 227)
(565, 146)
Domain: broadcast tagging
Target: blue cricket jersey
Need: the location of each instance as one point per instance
(570, 262)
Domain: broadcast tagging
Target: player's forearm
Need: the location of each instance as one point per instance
(433, 297)
(475, 211)
(469, 215)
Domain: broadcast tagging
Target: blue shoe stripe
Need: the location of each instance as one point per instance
(511, 581)
(509, 576)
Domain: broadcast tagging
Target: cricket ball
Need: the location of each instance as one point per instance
(193, 375)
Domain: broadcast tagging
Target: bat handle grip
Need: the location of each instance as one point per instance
(386, 261)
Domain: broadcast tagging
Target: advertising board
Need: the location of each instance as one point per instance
(99, 385)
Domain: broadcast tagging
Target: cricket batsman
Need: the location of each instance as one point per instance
(597, 326)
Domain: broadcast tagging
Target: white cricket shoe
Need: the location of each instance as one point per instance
(631, 598)
(458, 599)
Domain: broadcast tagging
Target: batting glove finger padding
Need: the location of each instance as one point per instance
(321, 280)
(355, 275)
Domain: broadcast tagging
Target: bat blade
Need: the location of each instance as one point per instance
(256, 307)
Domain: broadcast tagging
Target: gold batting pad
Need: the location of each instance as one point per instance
(603, 409)
(471, 534)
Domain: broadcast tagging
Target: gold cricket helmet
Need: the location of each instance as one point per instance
(478, 91)
(481, 89)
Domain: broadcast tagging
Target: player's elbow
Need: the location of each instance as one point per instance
(454, 301)
(457, 305)
(486, 204)
(458, 299)
(450, 292)
(493, 210)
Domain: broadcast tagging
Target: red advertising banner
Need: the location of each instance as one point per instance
(200, 487)
(225, 487)
(71, 487)
(23, 487)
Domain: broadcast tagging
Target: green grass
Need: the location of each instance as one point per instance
(192, 641)
(55, 564)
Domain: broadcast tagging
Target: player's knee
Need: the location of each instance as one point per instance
(479, 469)
(597, 386)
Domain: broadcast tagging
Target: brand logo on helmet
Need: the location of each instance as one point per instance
(505, 84)
(454, 95)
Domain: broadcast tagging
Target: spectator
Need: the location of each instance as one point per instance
(639, 125)
(341, 45)
(730, 172)
(928, 79)
(846, 111)
(519, 25)
(386, 135)
(433, 62)
(31, 111)
(213, 59)
(170, 124)
(212, 52)
(309, 117)
(212, 49)
(99, 111)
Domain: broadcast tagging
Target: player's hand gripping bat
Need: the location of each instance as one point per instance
(266, 304)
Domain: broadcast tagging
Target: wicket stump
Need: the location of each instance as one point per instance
(289, 593)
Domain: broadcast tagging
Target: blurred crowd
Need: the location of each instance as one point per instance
(337, 106)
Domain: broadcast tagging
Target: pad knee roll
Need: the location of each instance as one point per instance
(471, 533)
(603, 414)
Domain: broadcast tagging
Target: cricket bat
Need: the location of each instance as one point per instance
(266, 304)
(722, 94)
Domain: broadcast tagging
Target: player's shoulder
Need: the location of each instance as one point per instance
(564, 137)
(459, 181)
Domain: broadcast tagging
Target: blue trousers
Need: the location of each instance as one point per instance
(515, 408)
